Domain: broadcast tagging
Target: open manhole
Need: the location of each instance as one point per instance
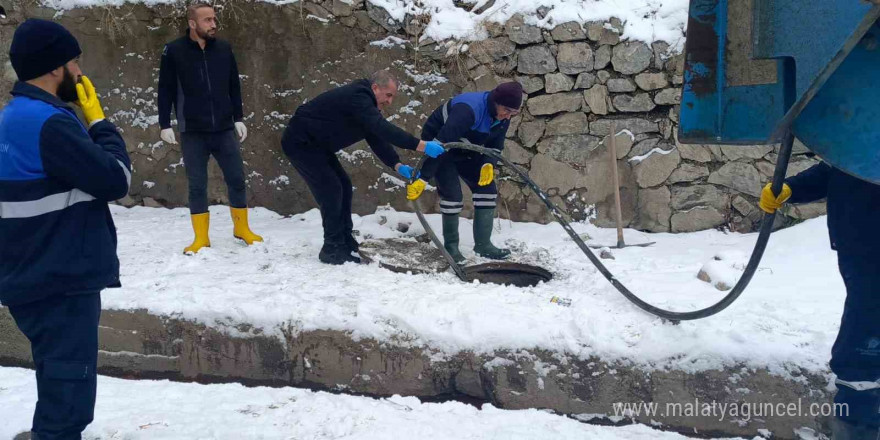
(516, 274)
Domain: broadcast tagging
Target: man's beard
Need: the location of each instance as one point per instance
(67, 88)
(204, 34)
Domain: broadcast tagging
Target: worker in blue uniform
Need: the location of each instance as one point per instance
(479, 118)
(57, 238)
(854, 227)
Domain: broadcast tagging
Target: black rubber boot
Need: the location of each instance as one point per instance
(336, 254)
(483, 233)
(352, 243)
(450, 237)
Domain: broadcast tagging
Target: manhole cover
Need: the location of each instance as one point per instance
(516, 274)
(402, 255)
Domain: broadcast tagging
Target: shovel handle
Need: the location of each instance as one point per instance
(612, 152)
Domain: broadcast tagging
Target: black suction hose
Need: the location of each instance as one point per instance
(757, 253)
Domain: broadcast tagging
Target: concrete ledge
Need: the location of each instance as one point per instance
(135, 344)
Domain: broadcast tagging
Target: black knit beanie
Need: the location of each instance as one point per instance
(39, 47)
(509, 94)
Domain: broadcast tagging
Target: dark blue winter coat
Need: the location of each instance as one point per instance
(56, 177)
(468, 117)
(340, 117)
(202, 85)
(853, 207)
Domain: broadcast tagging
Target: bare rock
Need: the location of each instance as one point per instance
(555, 103)
(521, 33)
(631, 57)
(558, 82)
(641, 102)
(530, 132)
(668, 97)
(738, 176)
(597, 99)
(688, 173)
(620, 85)
(536, 60)
(654, 169)
(653, 209)
(574, 58)
(570, 31)
(697, 219)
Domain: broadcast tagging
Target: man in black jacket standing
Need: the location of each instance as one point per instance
(57, 238)
(332, 121)
(199, 77)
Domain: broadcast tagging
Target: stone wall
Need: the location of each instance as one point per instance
(579, 78)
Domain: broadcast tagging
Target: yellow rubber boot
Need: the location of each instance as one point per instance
(241, 230)
(200, 227)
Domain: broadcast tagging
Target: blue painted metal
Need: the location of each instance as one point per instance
(842, 122)
(807, 40)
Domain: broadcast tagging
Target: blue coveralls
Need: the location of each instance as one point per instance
(468, 117)
(854, 228)
(58, 246)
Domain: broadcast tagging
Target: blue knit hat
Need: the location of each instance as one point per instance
(39, 47)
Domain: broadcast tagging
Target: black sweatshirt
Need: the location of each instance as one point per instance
(340, 117)
(203, 86)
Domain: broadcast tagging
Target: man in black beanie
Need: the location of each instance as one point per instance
(480, 118)
(57, 238)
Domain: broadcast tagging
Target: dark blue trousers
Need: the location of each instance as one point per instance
(464, 165)
(855, 357)
(197, 148)
(63, 331)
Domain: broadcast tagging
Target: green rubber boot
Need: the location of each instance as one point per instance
(450, 236)
(482, 236)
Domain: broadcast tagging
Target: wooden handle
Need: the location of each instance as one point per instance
(612, 151)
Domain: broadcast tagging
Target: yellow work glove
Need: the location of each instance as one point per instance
(769, 202)
(415, 189)
(487, 174)
(88, 101)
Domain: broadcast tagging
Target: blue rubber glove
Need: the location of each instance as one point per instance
(407, 171)
(434, 149)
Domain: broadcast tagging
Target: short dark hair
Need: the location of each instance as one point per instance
(382, 78)
(191, 9)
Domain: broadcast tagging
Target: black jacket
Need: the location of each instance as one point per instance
(56, 177)
(340, 117)
(203, 86)
(853, 207)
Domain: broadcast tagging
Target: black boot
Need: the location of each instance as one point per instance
(482, 236)
(450, 237)
(336, 254)
(352, 243)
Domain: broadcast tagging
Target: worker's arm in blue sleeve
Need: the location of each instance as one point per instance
(810, 185)
(95, 162)
(461, 118)
(496, 142)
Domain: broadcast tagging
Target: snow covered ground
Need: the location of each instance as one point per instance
(787, 318)
(158, 410)
(645, 20)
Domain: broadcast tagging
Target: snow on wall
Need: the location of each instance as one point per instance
(645, 20)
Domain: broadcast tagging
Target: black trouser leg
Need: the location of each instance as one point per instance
(63, 331)
(227, 152)
(319, 170)
(196, 152)
(347, 193)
